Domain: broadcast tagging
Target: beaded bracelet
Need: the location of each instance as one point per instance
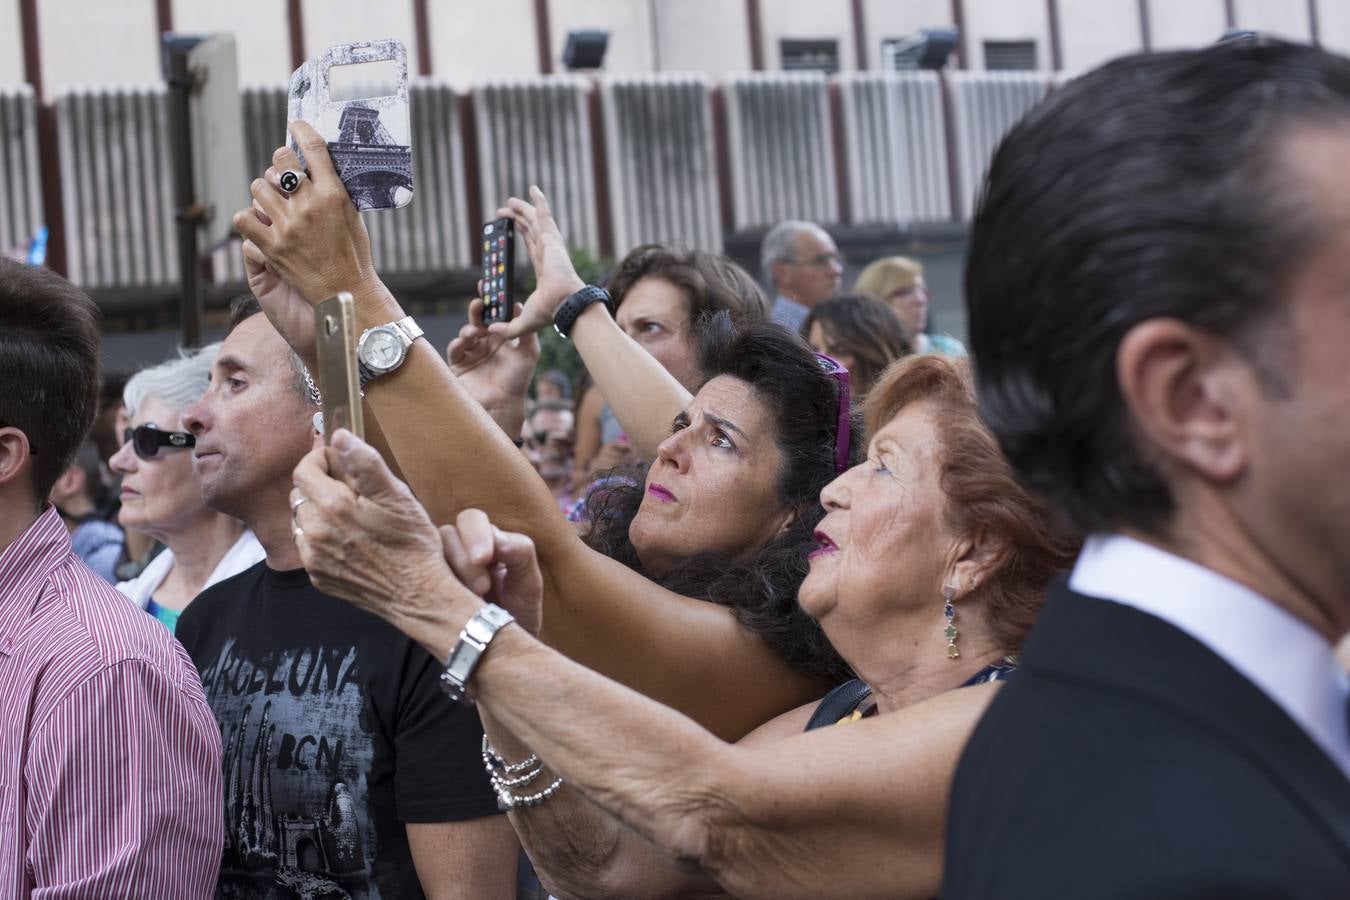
(507, 801)
(498, 767)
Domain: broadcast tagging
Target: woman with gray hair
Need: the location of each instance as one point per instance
(162, 498)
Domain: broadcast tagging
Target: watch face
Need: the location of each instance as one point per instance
(382, 350)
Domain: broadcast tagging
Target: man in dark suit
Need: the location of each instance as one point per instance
(1159, 299)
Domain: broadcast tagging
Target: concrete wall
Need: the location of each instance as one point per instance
(11, 43)
(1188, 24)
(709, 36)
(264, 49)
(1285, 18)
(1093, 31)
(84, 42)
(1333, 24)
(475, 41)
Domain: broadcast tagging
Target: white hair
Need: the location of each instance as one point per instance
(778, 244)
(178, 383)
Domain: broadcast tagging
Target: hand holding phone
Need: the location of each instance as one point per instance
(339, 383)
(499, 270)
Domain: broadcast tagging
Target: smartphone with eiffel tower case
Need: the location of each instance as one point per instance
(356, 96)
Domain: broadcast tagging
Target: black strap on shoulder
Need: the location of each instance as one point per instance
(838, 703)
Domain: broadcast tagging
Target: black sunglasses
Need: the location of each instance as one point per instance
(147, 440)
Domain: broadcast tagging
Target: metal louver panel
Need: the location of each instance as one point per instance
(895, 148)
(20, 180)
(781, 148)
(985, 105)
(117, 187)
(537, 131)
(660, 162)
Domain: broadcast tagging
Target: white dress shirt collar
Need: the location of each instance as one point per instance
(1286, 658)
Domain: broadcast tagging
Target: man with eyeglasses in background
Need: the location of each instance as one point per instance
(803, 268)
(110, 781)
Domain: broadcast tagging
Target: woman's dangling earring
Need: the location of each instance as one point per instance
(949, 612)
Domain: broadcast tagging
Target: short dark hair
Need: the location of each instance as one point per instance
(49, 364)
(1151, 187)
(761, 590)
(866, 329)
(246, 306)
(709, 281)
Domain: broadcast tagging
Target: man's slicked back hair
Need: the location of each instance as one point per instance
(1152, 187)
(49, 366)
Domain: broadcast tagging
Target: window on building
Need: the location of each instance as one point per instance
(1009, 55)
(809, 56)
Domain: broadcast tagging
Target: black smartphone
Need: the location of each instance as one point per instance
(499, 270)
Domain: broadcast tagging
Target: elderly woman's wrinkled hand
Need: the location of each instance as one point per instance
(500, 566)
(363, 536)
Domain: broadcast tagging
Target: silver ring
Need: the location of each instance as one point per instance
(290, 179)
(297, 532)
(299, 502)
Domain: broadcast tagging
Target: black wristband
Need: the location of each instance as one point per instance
(574, 305)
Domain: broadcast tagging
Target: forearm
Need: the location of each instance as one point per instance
(577, 849)
(451, 452)
(643, 396)
(638, 760)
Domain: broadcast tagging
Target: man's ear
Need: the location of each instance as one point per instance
(70, 484)
(14, 455)
(1187, 393)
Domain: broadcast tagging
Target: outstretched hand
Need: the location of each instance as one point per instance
(364, 537)
(497, 565)
(494, 369)
(302, 247)
(555, 277)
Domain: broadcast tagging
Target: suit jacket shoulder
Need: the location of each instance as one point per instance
(1129, 760)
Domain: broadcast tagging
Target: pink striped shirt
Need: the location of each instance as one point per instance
(110, 778)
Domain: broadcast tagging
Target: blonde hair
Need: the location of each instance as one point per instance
(887, 275)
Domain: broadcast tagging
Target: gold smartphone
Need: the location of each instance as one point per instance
(335, 327)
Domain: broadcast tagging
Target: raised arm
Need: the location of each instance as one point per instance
(454, 457)
(644, 397)
(854, 810)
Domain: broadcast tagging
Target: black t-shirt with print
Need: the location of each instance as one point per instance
(335, 734)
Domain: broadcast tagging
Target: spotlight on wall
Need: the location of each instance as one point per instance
(928, 49)
(585, 49)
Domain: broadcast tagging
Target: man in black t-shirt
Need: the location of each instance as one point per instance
(347, 771)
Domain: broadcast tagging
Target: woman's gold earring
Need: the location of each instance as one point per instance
(949, 612)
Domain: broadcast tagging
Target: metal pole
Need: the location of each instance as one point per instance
(187, 212)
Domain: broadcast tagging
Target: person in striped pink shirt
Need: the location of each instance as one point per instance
(110, 779)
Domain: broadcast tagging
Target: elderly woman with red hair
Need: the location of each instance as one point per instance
(931, 566)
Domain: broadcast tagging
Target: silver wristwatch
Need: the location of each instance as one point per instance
(383, 348)
(469, 649)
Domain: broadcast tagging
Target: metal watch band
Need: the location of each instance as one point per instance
(407, 330)
(574, 305)
(469, 649)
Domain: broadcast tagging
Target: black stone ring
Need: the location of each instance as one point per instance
(290, 180)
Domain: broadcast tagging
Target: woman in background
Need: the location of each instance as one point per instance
(864, 334)
(898, 282)
(161, 496)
